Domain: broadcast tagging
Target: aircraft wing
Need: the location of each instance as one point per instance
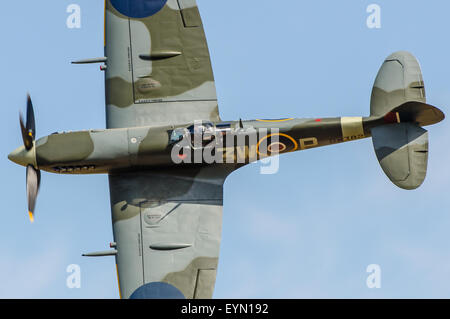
(167, 228)
(158, 64)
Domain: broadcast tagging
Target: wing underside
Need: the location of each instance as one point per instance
(166, 223)
(167, 229)
(158, 64)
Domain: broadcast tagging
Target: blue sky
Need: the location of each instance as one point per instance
(309, 231)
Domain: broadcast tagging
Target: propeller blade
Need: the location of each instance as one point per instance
(26, 136)
(33, 183)
(31, 124)
(28, 129)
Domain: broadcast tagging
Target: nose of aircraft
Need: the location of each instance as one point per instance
(22, 157)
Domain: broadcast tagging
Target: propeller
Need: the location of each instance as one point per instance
(33, 175)
(28, 130)
(33, 183)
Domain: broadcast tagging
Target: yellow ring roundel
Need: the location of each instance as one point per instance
(280, 120)
(290, 143)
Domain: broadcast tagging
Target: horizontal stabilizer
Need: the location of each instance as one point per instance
(398, 81)
(402, 150)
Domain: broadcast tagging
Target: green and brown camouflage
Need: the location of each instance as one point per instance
(159, 69)
(109, 150)
(168, 153)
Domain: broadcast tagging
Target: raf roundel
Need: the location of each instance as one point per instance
(157, 290)
(138, 8)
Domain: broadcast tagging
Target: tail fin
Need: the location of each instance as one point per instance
(399, 94)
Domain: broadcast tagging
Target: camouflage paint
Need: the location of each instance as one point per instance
(167, 218)
(109, 150)
(146, 83)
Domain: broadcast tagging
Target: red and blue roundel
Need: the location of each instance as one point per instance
(138, 8)
(157, 290)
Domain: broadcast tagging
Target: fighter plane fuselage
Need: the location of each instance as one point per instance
(106, 150)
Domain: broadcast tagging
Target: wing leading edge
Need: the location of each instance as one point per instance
(167, 228)
(158, 64)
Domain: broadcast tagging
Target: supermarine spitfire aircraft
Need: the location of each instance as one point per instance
(167, 152)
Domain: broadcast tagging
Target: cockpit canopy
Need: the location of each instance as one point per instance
(200, 134)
